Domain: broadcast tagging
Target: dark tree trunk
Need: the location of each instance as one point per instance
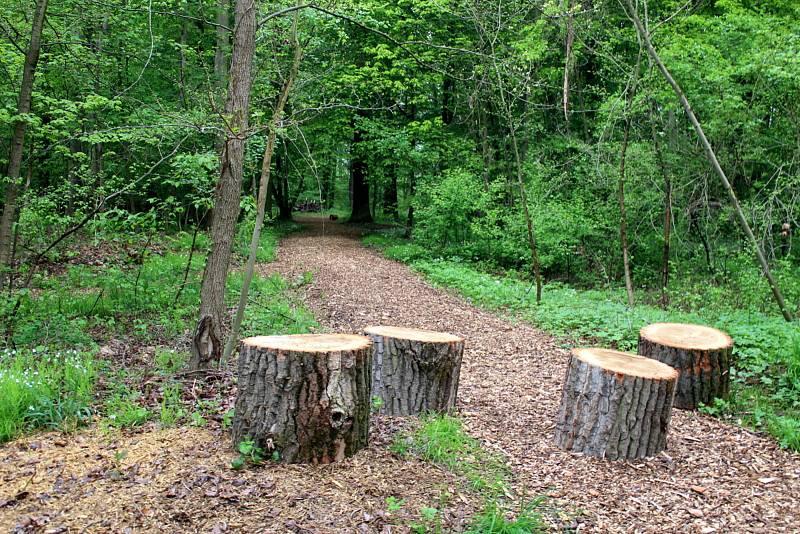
(390, 195)
(18, 140)
(207, 348)
(360, 210)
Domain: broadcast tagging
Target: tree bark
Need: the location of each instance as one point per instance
(306, 397)
(701, 354)
(615, 405)
(263, 189)
(207, 347)
(414, 371)
(712, 158)
(18, 140)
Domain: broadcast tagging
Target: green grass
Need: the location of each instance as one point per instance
(493, 520)
(44, 389)
(441, 439)
(766, 376)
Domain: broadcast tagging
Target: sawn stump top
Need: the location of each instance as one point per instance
(686, 336)
(310, 342)
(625, 363)
(413, 334)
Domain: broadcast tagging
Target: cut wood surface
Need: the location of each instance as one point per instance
(306, 397)
(701, 354)
(615, 405)
(414, 371)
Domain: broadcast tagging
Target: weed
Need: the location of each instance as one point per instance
(171, 405)
(393, 504)
(249, 455)
(124, 411)
(493, 520)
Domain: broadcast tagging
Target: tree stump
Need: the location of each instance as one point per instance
(615, 405)
(702, 356)
(414, 371)
(306, 397)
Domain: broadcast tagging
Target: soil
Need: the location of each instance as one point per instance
(713, 477)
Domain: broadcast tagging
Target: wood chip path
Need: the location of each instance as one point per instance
(713, 477)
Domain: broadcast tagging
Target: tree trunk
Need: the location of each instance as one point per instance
(665, 171)
(18, 140)
(623, 218)
(701, 354)
(615, 405)
(414, 371)
(207, 348)
(360, 212)
(304, 397)
(712, 158)
(266, 165)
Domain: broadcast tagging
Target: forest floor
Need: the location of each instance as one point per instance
(713, 477)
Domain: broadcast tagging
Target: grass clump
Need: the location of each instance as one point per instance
(493, 520)
(441, 439)
(42, 388)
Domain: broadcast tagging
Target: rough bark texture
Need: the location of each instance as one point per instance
(415, 371)
(226, 196)
(306, 397)
(613, 410)
(18, 139)
(704, 364)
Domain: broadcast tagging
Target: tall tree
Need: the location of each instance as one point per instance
(18, 139)
(206, 343)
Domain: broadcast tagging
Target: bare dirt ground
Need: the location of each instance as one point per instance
(712, 478)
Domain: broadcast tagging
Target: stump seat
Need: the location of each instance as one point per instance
(702, 356)
(615, 405)
(413, 370)
(306, 397)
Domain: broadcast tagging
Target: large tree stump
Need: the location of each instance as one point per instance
(414, 371)
(702, 356)
(615, 405)
(305, 396)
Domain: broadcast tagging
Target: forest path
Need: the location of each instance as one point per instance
(713, 477)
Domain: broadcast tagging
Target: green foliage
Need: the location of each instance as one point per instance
(44, 388)
(172, 410)
(441, 439)
(493, 520)
(249, 455)
(124, 410)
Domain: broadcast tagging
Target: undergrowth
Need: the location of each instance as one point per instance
(44, 389)
(765, 392)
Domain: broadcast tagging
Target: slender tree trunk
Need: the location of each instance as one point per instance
(623, 217)
(712, 158)
(665, 171)
(18, 140)
(263, 188)
(206, 346)
(569, 40)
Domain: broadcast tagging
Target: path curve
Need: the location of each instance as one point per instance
(712, 478)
